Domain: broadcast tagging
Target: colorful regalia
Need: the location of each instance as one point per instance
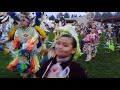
(26, 43)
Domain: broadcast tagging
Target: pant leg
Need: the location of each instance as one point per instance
(81, 45)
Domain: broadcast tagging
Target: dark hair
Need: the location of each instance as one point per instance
(74, 43)
(64, 21)
(62, 18)
(25, 13)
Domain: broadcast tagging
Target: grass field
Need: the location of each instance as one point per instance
(103, 66)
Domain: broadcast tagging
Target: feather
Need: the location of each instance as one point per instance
(69, 29)
(41, 31)
(111, 45)
(12, 32)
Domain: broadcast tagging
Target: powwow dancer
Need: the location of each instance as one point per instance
(117, 32)
(90, 47)
(109, 44)
(26, 39)
(47, 25)
(7, 23)
(62, 65)
(42, 33)
(68, 29)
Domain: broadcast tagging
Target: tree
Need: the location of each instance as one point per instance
(110, 14)
(104, 15)
(92, 14)
(59, 15)
(117, 14)
(97, 15)
(52, 17)
(72, 16)
(66, 15)
(75, 15)
(107, 15)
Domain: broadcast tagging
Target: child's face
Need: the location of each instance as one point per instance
(23, 22)
(64, 47)
(92, 30)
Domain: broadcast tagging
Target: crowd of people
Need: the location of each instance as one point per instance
(25, 34)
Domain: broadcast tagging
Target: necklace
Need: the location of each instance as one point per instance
(60, 60)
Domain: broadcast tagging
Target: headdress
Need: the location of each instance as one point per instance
(69, 29)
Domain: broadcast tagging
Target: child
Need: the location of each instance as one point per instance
(29, 60)
(109, 38)
(90, 44)
(62, 65)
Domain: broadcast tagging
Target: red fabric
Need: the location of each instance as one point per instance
(32, 66)
(12, 66)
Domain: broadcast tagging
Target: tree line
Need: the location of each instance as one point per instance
(96, 15)
(66, 15)
(106, 14)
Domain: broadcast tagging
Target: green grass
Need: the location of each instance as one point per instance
(103, 66)
(4, 61)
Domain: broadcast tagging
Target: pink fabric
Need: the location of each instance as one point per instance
(91, 38)
(94, 38)
(87, 38)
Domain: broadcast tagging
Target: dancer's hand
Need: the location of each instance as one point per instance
(2, 42)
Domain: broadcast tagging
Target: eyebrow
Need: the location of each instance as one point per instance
(64, 42)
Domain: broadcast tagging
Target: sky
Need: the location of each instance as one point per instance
(55, 13)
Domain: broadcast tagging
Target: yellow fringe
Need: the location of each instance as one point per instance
(12, 32)
(41, 31)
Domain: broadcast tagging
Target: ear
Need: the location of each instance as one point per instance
(74, 50)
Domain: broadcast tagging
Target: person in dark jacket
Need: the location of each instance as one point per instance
(62, 21)
(62, 65)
